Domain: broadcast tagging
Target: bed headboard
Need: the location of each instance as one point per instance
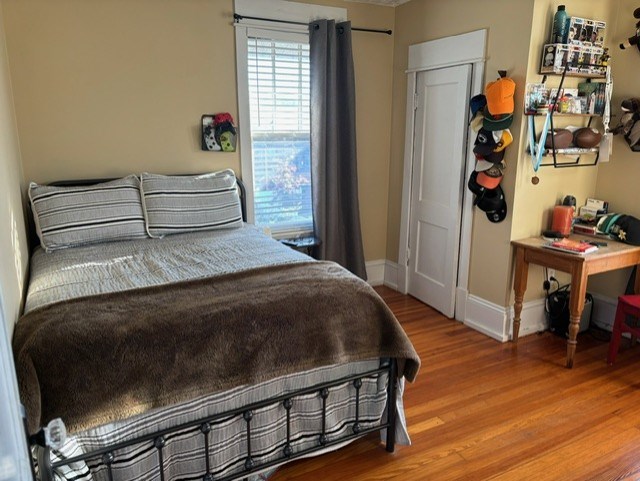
(33, 236)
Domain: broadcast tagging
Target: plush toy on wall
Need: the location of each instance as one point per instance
(629, 125)
(225, 131)
(635, 39)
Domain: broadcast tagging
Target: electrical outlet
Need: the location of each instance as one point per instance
(551, 273)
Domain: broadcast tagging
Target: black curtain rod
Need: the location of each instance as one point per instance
(237, 17)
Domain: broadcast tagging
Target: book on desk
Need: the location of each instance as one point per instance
(571, 246)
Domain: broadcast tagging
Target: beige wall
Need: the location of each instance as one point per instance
(110, 87)
(619, 179)
(507, 49)
(13, 243)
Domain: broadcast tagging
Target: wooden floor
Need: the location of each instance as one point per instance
(483, 410)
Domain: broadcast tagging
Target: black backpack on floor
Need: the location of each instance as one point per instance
(557, 310)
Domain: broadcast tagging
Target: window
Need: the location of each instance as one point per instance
(278, 85)
(272, 60)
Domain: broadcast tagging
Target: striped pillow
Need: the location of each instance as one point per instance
(174, 204)
(73, 216)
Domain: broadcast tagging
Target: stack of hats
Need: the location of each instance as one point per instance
(624, 228)
(492, 115)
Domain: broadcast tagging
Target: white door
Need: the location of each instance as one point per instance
(437, 185)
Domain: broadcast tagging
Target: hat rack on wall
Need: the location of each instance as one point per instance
(491, 117)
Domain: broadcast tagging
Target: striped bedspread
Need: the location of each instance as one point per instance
(118, 266)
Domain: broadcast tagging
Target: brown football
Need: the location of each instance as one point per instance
(587, 138)
(562, 139)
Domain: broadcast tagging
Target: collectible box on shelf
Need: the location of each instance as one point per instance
(584, 31)
(582, 59)
(585, 100)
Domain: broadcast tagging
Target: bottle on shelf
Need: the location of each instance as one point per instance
(560, 31)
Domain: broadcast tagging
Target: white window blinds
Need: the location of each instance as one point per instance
(278, 77)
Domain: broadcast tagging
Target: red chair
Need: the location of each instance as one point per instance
(627, 306)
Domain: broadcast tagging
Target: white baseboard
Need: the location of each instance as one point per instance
(375, 272)
(604, 311)
(382, 272)
(486, 317)
(491, 319)
(532, 318)
(495, 321)
(461, 304)
(391, 274)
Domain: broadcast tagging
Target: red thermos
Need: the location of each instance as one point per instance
(562, 219)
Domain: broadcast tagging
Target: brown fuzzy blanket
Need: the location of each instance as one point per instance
(97, 359)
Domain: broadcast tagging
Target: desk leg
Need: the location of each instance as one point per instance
(578, 293)
(519, 286)
(637, 283)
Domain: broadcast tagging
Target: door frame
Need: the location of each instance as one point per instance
(468, 48)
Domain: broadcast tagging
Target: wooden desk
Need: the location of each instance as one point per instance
(615, 255)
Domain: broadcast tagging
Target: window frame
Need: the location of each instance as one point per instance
(246, 149)
(246, 28)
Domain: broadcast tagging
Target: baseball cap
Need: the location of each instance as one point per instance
(476, 123)
(474, 187)
(482, 164)
(627, 229)
(485, 143)
(494, 204)
(504, 140)
(496, 122)
(477, 103)
(490, 178)
(500, 96)
(499, 214)
(487, 147)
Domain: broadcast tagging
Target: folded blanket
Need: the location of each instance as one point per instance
(97, 359)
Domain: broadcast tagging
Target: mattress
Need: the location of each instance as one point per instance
(118, 266)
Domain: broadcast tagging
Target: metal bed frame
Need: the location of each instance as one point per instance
(108, 455)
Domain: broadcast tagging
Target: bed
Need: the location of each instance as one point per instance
(212, 355)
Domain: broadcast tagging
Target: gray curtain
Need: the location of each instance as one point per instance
(334, 177)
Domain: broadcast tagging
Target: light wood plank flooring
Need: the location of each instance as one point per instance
(482, 410)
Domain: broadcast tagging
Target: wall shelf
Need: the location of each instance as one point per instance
(558, 114)
(570, 151)
(540, 148)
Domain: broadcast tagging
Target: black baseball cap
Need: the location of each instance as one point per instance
(494, 204)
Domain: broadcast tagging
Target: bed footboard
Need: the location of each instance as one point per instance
(105, 457)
